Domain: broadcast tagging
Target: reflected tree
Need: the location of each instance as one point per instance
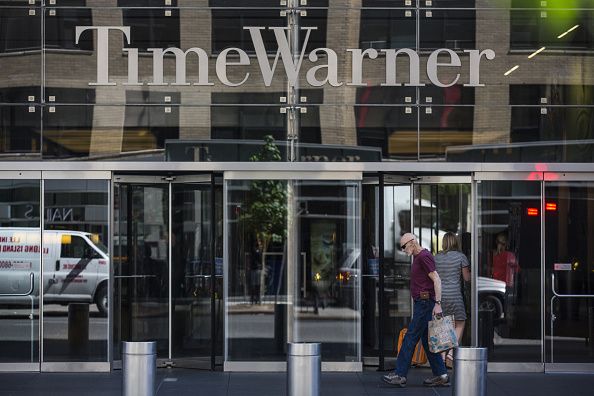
(266, 214)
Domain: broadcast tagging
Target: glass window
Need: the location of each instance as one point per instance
(381, 29)
(555, 29)
(569, 207)
(20, 254)
(141, 266)
(68, 131)
(509, 290)
(19, 30)
(247, 122)
(151, 27)
(76, 272)
(20, 132)
(228, 31)
(146, 128)
(393, 129)
(453, 29)
(73, 247)
(321, 279)
(60, 26)
(328, 268)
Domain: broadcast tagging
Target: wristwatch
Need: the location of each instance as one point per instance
(438, 302)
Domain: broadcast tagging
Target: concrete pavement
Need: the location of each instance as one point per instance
(178, 382)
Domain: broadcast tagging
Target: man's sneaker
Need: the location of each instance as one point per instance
(394, 379)
(440, 380)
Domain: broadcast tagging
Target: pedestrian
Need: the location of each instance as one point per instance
(425, 289)
(452, 265)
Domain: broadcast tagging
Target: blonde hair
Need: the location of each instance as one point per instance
(450, 242)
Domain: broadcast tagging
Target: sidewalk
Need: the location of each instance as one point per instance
(178, 382)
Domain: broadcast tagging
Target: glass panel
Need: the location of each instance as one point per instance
(141, 272)
(160, 28)
(397, 302)
(20, 132)
(514, 134)
(191, 271)
(20, 254)
(453, 29)
(321, 277)
(327, 269)
(370, 270)
(75, 270)
(509, 278)
(441, 209)
(391, 129)
(256, 308)
(382, 29)
(20, 50)
(569, 247)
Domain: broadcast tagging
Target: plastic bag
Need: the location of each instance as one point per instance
(442, 335)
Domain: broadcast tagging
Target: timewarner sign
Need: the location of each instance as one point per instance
(325, 70)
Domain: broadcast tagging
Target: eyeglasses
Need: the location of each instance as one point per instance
(501, 242)
(402, 247)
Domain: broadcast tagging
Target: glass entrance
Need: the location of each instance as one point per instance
(509, 269)
(293, 268)
(165, 275)
(20, 225)
(569, 269)
(427, 206)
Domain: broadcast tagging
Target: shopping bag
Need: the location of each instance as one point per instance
(419, 357)
(442, 335)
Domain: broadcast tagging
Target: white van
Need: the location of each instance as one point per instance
(76, 267)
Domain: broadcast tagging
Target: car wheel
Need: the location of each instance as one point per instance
(101, 300)
(492, 303)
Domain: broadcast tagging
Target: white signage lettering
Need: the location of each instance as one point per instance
(324, 71)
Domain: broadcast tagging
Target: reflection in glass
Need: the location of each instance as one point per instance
(311, 296)
(75, 270)
(381, 29)
(394, 129)
(192, 270)
(327, 272)
(141, 257)
(397, 306)
(256, 307)
(453, 29)
(370, 270)
(509, 270)
(569, 234)
(20, 254)
(442, 208)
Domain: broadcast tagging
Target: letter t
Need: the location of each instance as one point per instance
(103, 49)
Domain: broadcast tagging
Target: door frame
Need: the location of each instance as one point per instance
(478, 177)
(273, 366)
(29, 366)
(387, 179)
(558, 367)
(202, 178)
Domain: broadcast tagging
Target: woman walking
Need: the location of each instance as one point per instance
(452, 265)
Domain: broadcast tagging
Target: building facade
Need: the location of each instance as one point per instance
(225, 177)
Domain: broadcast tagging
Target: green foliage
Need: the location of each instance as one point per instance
(266, 212)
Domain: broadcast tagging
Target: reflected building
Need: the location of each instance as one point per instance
(250, 166)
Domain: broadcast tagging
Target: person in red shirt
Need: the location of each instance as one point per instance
(425, 289)
(504, 265)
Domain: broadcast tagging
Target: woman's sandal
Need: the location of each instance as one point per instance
(449, 361)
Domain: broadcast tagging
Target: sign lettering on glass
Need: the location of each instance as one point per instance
(318, 75)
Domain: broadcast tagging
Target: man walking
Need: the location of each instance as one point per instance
(425, 289)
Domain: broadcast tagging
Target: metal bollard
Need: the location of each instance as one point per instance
(78, 329)
(304, 366)
(470, 371)
(139, 362)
